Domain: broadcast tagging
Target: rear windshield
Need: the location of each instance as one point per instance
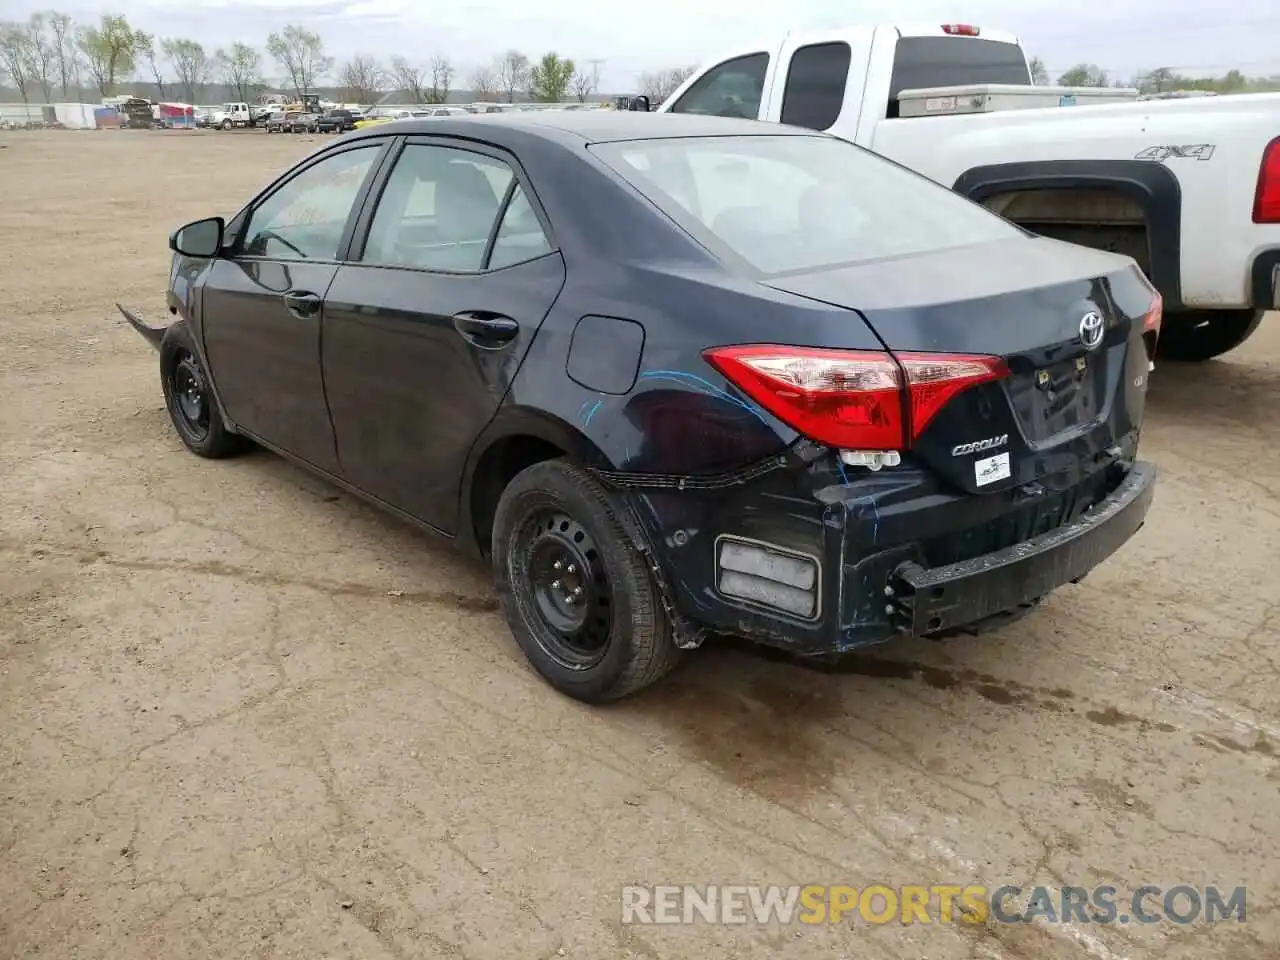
(795, 203)
(923, 62)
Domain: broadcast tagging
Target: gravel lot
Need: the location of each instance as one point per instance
(243, 715)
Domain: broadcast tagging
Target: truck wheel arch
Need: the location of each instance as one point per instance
(1145, 194)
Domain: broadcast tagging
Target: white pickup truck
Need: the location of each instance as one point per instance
(1189, 188)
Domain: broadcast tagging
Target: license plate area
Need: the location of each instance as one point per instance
(1058, 397)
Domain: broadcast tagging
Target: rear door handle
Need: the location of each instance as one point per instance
(302, 303)
(485, 330)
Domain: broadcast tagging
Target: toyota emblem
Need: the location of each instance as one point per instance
(1091, 329)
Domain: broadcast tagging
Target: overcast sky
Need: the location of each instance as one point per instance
(1122, 36)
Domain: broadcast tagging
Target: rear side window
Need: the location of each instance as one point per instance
(731, 89)
(922, 62)
(788, 203)
(814, 92)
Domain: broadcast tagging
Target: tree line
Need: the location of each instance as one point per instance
(51, 56)
(1159, 80)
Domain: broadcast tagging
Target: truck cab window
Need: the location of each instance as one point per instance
(731, 89)
(814, 93)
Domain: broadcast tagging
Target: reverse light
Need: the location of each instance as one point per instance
(852, 399)
(1266, 198)
(960, 30)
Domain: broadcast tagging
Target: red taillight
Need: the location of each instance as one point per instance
(1266, 199)
(960, 30)
(852, 399)
(1154, 316)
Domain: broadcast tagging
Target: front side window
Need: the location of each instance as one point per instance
(731, 89)
(438, 210)
(306, 218)
(789, 203)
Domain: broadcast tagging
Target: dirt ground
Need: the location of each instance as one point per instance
(244, 715)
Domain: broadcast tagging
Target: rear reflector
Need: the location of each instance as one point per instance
(1266, 199)
(960, 30)
(852, 399)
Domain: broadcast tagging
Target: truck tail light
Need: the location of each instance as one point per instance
(1266, 199)
(852, 399)
(961, 30)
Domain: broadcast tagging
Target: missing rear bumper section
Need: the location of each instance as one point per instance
(931, 600)
(852, 565)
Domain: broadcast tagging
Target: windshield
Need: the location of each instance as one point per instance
(794, 203)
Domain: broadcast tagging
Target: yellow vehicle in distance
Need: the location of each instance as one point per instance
(384, 115)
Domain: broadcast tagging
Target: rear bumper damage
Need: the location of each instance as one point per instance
(820, 565)
(153, 335)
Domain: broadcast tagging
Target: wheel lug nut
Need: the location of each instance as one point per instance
(555, 584)
(557, 565)
(572, 568)
(577, 591)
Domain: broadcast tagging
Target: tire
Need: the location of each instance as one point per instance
(1197, 335)
(226, 124)
(552, 513)
(190, 403)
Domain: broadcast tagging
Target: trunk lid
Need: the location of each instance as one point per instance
(1068, 323)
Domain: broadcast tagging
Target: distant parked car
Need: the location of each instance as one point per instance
(336, 121)
(276, 121)
(303, 123)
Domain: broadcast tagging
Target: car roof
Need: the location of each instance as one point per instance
(592, 126)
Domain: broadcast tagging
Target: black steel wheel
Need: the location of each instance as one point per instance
(569, 586)
(189, 398)
(579, 598)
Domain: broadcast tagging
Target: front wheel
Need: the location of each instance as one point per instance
(189, 399)
(1196, 335)
(577, 595)
(226, 124)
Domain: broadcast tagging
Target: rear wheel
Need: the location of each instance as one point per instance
(189, 398)
(1196, 335)
(578, 597)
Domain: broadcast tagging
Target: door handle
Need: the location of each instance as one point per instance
(485, 330)
(302, 303)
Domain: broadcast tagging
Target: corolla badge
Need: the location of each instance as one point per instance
(1091, 329)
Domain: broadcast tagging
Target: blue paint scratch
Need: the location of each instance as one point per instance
(592, 412)
(704, 386)
(875, 515)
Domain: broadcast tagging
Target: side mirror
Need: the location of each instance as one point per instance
(200, 238)
(640, 103)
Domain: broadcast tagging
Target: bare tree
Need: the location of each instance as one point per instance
(441, 79)
(586, 80)
(484, 83)
(409, 78)
(16, 57)
(362, 79)
(191, 65)
(40, 54)
(300, 54)
(659, 85)
(512, 73)
(240, 68)
(65, 53)
(147, 51)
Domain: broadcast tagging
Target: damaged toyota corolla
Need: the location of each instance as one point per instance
(676, 375)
